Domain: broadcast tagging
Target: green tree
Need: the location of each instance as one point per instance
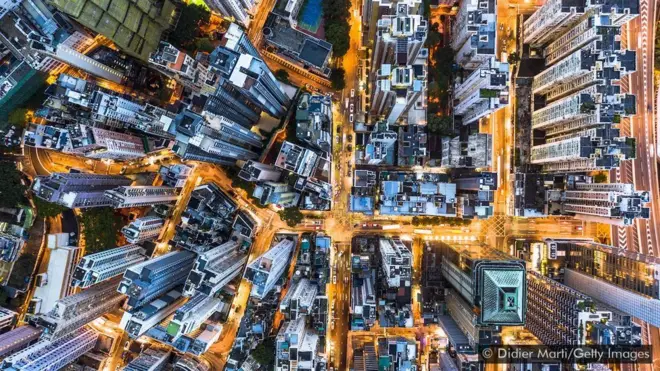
(513, 58)
(22, 270)
(100, 228)
(47, 209)
(19, 117)
(337, 34)
(282, 75)
(192, 17)
(600, 177)
(204, 45)
(441, 125)
(292, 216)
(12, 191)
(338, 78)
(264, 353)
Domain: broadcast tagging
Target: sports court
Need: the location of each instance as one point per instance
(310, 16)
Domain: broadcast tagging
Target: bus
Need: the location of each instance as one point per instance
(422, 231)
(391, 227)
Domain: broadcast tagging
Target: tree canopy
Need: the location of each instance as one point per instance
(22, 270)
(292, 216)
(441, 125)
(12, 191)
(47, 209)
(187, 28)
(100, 228)
(335, 15)
(282, 75)
(338, 78)
(264, 353)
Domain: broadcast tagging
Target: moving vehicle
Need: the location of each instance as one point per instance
(352, 93)
(352, 107)
(346, 103)
(351, 118)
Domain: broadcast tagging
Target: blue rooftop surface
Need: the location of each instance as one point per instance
(323, 242)
(362, 204)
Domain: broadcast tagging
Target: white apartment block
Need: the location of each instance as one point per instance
(396, 91)
(136, 323)
(101, 266)
(215, 268)
(296, 346)
(483, 92)
(299, 300)
(56, 283)
(142, 229)
(7, 317)
(474, 33)
(115, 146)
(253, 171)
(179, 65)
(75, 311)
(240, 10)
(138, 196)
(396, 262)
(266, 270)
(150, 360)
(192, 314)
(46, 355)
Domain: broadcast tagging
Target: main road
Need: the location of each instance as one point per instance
(639, 36)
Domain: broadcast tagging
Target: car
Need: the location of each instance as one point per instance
(346, 279)
(578, 228)
(334, 279)
(352, 108)
(352, 93)
(318, 222)
(338, 129)
(349, 148)
(346, 103)
(350, 137)
(351, 118)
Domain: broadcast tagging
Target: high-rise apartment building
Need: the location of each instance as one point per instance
(373, 10)
(482, 92)
(150, 360)
(147, 280)
(475, 152)
(559, 315)
(314, 121)
(77, 190)
(56, 283)
(612, 203)
(7, 318)
(299, 299)
(296, 346)
(396, 262)
(18, 339)
(75, 311)
(215, 268)
(474, 33)
(246, 86)
(266, 270)
(578, 102)
(10, 246)
(137, 322)
(136, 32)
(240, 10)
(142, 229)
(398, 70)
(137, 196)
(280, 194)
(177, 64)
(253, 171)
(191, 315)
(213, 138)
(101, 266)
(297, 159)
(46, 355)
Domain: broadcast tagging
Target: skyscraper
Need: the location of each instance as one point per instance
(253, 171)
(46, 355)
(74, 311)
(474, 33)
(578, 101)
(296, 344)
(139, 321)
(150, 360)
(215, 268)
(280, 194)
(98, 267)
(238, 9)
(213, 138)
(192, 314)
(396, 262)
(483, 92)
(137, 196)
(146, 281)
(246, 85)
(77, 190)
(141, 229)
(136, 32)
(266, 270)
(612, 203)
